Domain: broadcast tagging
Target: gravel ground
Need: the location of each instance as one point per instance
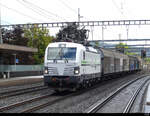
(139, 104)
(12, 88)
(80, 103)
(19, 81)
(19, 98)
(117, 104)
(30, 105)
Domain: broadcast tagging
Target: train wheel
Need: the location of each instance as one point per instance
(85, 84)
(80, 86)
(57, 91)
(89, 84)
(74, 89)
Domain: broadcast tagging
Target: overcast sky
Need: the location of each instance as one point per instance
(26, 11)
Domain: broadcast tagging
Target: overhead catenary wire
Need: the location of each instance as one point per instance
(40, 11)
(36, 11)
(71, 9)
(21, 13)
(65, 4)
(120, 10)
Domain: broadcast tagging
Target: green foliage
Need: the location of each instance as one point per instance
(147, 60)
(129, 53)
(97, 44)
(14, 36)
(38, 38)
(121, 47)
(72, 33)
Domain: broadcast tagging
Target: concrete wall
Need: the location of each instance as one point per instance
(21, 74)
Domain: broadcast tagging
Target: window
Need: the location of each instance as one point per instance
(59, 53)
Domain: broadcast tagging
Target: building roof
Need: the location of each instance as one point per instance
(8, 47)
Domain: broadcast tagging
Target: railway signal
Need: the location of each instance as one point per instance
(143, 53)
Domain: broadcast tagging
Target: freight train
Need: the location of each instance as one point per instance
(71, 65)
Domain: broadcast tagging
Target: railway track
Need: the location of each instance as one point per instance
(20, 91)
(52, 99)
(133, 98)
(6, 108)
(100, 104)
(57, 100)
(38, 99)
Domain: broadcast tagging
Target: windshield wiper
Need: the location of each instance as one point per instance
(65, 58)
(55, 59)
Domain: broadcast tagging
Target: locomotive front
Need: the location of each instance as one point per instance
(62, 69)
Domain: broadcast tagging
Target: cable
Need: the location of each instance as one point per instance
(118, 8)
(68, 6)
(73, 10)
(40, 9)
(18, 12)
(116, 5)
(34, 10)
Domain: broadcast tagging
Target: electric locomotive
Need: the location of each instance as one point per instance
(70, 65)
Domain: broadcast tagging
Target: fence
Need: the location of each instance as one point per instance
(7, 69)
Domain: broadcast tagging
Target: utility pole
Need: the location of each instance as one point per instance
(1, 40)
(103, 35)
(120, 37)
(92, 32)
(127, 33)
(79, 16)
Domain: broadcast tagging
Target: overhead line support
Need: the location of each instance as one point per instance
(88, 23)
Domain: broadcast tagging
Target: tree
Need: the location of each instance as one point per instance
(129, 53)
(14, 36)
(121, 47)
(72, 33)
(38, 38)
(147, 60)
(97, 44)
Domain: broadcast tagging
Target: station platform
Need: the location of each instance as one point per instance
(21, 80)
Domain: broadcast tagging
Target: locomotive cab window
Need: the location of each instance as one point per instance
(61, 53)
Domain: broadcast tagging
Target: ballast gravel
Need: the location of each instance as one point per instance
(79, 103)
(23, 97)
(117, 104)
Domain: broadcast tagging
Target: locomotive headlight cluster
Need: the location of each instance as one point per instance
(46, 70)
(76, 70)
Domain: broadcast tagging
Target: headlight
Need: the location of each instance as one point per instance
(46, 70)
(76, 70)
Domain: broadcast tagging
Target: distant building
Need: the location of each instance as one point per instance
(9, 54)
(17, 61)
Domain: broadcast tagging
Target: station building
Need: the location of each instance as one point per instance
(13, 64)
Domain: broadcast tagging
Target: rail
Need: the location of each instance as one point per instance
(97, 106)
